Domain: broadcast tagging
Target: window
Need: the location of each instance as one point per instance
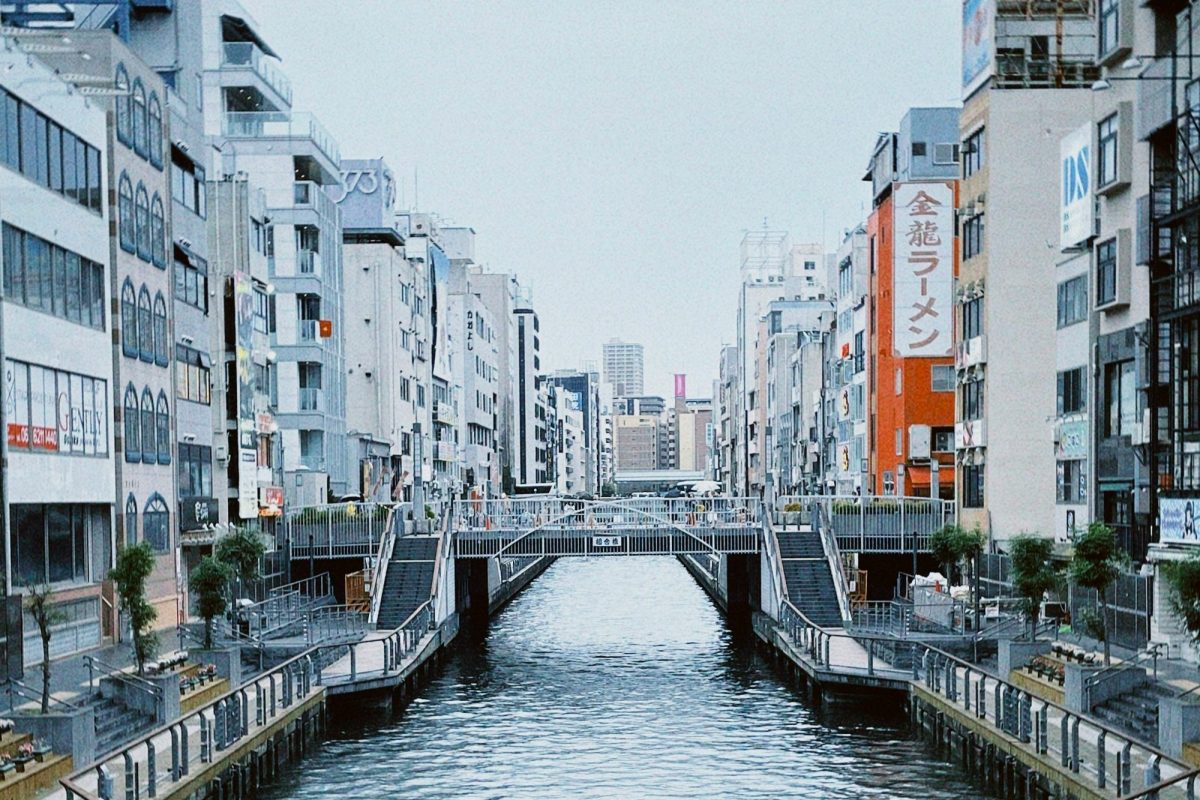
(46, 277)
(142, 209)
(131, 515)
(156, 524)
(1072, 391)
(161, 356)
(899, 441)
(51, 411)
(420, 395)
(145, 326)
(972, 153)
(1072, 481)
(149, 430)
(943, 378)
(132, 420)
(972, 318)
(1072, 301)
(1110, 23)
(158, 233)
(187, 184)
(859, 352)
(972, 400)
(129, 319)
(943, 440)
(195, 471)
(191, 279)
(52, 543)
(128, 233)
(899, 381)
(193, 375)
(1120, 394)
(972, 236)
(1106, 272)
(162, 415)
(1106, 144)
(139, 118)
(972, 485)
(124, 114)
(155, 132)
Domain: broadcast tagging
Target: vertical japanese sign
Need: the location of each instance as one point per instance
(1075, 202)
(923, 270)
(243, 310)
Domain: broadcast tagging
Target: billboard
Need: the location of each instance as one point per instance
(243, 312)
(53, 411)
(923, 270)
(1075, 206)
(977, 55)
(680, 385)
(1177, 519)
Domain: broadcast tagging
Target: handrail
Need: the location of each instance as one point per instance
(833, 557)
(387, 541)
(320, 580)
(17, 687)
(443, 552)
(116, 673)
(775, 557)
(1112, 670)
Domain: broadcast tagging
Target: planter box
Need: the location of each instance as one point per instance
(1013, 654)
(228, 661)
(68, 732)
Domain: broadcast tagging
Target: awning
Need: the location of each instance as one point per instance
(235, 29)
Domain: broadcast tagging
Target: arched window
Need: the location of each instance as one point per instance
(139, 118)
(130, 520)
(163, 421)
(125, 214)
(155, 132)
(158, 233)
(160, 330)
(133, 439)
(129, 338)
(143, 222)
(149, 432)
(145, 326)
(124, 132)
(156, 524)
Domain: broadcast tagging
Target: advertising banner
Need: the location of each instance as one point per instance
(1075, 201)
(977, 56)
(1072, 440)
(680, 385)
(243, 309)
(923, 279)
(1177, 519)
(52, 411)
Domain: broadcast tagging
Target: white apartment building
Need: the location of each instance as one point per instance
(56, 331)
(848, 372)
(624, 367)
(571, 453)
(474, 363)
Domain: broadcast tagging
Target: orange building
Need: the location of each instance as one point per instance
(913, 261)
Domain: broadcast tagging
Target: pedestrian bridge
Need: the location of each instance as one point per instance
(628, 526)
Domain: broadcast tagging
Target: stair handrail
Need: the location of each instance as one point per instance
(321, 586)
(833, 557)
(445, 542)
(383, 554)
(1090, 682)
(775, 558)
(14, 686)
(116, 673)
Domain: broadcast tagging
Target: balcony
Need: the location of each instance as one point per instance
(308, 262)
(309, 328)
(246, 55)
(281, 125)
(312, 400)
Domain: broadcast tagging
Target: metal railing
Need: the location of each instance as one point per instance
(340, 622)
(280, 124)
(134, 682)
(341, 530)
(774, 558)
(276, 615)
(524, 513)
(308, 330)
(311, 400)
(314, 587)
(247, 54)
(901, 619)
(824, 526)
(12, 687)
(879, 524)
(383, 555)
(1112, 671)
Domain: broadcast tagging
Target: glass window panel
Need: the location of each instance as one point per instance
(60, 542)
(29, 543)
(68, 166)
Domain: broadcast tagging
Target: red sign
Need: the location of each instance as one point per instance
(326, 328)
(18, 435)
(846, 350)
(270, 500)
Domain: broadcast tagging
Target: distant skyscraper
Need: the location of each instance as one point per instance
(623, 367)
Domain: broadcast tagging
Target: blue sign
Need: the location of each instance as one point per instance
(1075, 178)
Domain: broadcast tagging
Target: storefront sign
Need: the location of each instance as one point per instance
(1072, 440)
(1177, 519)
(923, 283)
(53, 411)
(243, 305)
(270, 501)
(197, 512)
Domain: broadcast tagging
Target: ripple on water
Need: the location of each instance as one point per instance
(617, 678)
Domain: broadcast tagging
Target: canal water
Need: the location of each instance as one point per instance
(618, 678)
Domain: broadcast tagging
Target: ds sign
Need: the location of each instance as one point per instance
(1075, 179)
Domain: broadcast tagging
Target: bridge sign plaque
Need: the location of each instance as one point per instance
(606, 541)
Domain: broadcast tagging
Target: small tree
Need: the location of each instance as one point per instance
(1183, 581)
(1096, 564)
(1032, 573)
(134, 565)
(210, 581)
(944, 546)
(46, 614)
(242, 552)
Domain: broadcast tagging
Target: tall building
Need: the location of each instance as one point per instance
(585, 386)
(624, 367)
(530, 434)
(636, 442)
(848, 375)
(910, 348)
(1027, 68)
(56, 334)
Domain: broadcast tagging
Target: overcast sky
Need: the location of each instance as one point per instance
(612, 154)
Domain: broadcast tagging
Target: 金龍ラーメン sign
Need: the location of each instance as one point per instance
(923, 267)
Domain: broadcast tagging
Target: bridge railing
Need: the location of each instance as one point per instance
(336, 530)
(525, 513)
(879, 524)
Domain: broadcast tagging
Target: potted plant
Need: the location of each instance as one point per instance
(40, 750)
(791, 513)
(23, 756)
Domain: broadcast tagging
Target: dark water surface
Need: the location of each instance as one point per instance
(618, 678)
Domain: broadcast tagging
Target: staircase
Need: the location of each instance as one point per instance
(806, 571)
(1136, 711)
(409, 580)
(117, 723)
